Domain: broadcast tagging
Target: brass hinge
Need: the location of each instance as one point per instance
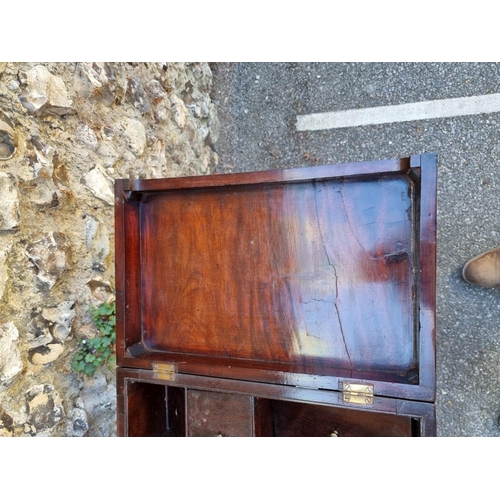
(164, 371)
(361, 394)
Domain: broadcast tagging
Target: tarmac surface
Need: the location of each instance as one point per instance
(258, 104)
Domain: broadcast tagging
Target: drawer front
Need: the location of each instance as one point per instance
(219, 414)
(306, 420)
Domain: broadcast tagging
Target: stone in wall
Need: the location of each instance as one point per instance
(99, 184)
(49, 329)
(60, 175)
(91, 229)
(6, 424)
(95, 81)
(86, 331)
(43, 194)
(135, 134)
(100, 290)
(76, 423)
(45, 93)
(51, 256)
(44, 409)
(4, 274)
(179, 110)
(46, 354)
(108, 154)
(38, 330)
(97, 398)
(60, 319)
(87, 136)
(138, 95)
(10, 356)
(40, 157)
(7, 137)
(9, 203)
(162, 107)
(100, 248)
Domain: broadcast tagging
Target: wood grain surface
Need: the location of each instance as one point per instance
(302, 273)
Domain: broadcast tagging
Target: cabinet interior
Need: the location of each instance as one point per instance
(161, 410)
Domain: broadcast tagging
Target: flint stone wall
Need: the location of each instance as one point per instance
(66, 131)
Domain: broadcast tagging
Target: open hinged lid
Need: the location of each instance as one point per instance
(320, 277)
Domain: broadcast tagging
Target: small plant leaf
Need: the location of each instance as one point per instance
(99, 350)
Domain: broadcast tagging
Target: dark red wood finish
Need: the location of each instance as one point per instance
(307, 274)
(241, 409)
(299, 419)
(219, 414)
(304, 277)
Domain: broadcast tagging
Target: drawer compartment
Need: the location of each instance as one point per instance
(155, 410)
(219, 414)
(306, 420)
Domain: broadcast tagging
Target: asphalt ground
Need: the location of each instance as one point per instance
(258, 104)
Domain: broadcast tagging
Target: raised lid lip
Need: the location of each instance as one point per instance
(270, 176)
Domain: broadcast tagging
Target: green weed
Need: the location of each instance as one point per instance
(99, 350)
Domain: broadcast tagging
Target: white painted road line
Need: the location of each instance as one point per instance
(425, 110)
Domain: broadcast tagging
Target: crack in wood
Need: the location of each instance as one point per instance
(335, 304)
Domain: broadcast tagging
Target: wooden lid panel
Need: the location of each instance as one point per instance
(308, 276)
(298, 273)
